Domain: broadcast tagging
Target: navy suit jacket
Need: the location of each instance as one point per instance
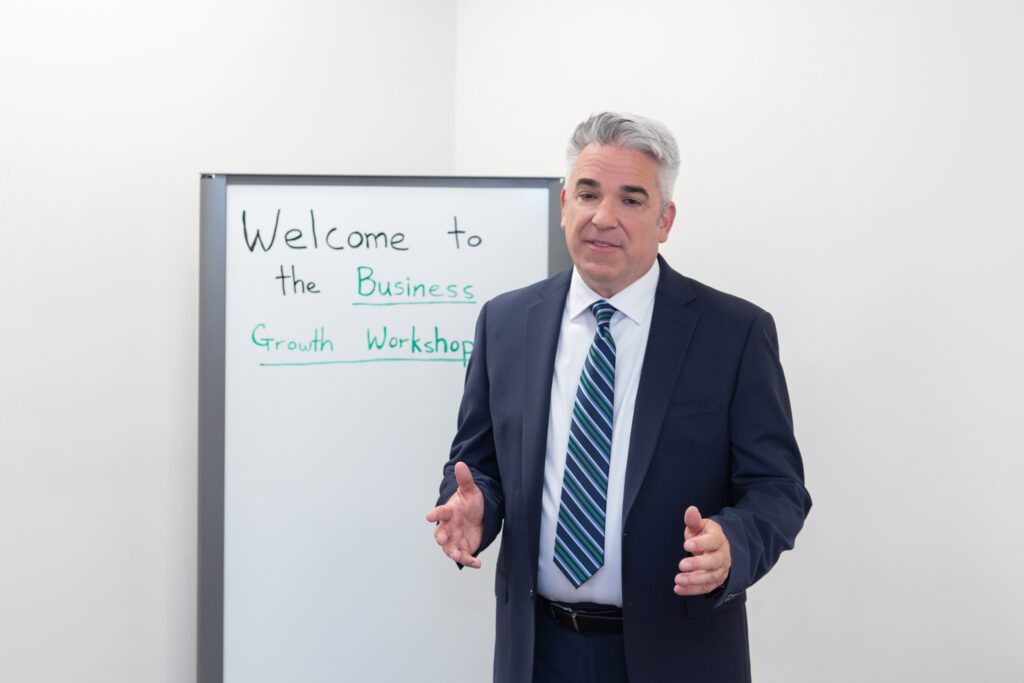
(712, 427)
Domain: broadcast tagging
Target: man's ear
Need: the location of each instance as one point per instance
(668, 217)
(563, 208)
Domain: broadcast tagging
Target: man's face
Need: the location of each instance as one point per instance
(611, 217)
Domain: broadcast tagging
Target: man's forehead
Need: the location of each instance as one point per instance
(604, 160)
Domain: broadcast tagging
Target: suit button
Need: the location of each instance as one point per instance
(533, 596)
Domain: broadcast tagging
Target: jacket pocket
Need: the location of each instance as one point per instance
(701, 606)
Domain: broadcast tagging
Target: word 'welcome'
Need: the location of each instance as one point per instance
(298, 238)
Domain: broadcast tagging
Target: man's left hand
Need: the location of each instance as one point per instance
(710, 559)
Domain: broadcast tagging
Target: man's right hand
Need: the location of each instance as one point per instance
(460, 521)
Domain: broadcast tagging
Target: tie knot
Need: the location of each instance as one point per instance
(603, 311)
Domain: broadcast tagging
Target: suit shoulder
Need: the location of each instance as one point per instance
(728, 307)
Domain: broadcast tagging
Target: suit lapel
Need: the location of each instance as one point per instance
(543, 322)
(672, 326)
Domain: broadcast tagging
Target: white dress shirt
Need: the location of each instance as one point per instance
(630, 327)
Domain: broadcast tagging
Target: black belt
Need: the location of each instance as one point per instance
(591, 619)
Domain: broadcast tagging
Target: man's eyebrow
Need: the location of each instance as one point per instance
(635, 189)
(626, 189)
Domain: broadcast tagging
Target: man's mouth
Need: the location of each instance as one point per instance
(602, 245)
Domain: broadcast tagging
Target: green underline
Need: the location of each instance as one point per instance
(369, 360)
(412, 303)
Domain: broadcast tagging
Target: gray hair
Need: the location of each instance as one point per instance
(629, 132)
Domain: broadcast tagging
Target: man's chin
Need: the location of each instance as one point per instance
(602, 280)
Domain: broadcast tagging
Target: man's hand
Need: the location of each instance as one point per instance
(710, 562)
(461, 520)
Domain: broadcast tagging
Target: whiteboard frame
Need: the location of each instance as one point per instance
(211, 401)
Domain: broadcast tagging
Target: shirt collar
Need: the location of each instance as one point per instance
(634, 301)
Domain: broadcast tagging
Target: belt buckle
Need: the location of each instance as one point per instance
(572, 618)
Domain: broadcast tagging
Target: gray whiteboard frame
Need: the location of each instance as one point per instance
(212, 292)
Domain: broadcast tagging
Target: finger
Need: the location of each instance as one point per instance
(702, 563)
(700, 579)
(464, 558)
(689, 591)
(693, 521)
(704, 543)
(441, 513)
(465, 478)
(697, 583)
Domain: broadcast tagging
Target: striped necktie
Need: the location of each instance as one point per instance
(579, 539)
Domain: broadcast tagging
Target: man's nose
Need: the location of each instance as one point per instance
(606, 216)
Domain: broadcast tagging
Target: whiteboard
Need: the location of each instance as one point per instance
(342, 313)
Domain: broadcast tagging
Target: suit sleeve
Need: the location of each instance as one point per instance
(474, 439)
(766, 474)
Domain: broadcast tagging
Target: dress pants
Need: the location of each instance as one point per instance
(562, 656)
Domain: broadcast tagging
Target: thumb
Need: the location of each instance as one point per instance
(694, 523)
(464, 478)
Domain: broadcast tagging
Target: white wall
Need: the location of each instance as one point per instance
(855, 169)
(109, 111)
(852, 167)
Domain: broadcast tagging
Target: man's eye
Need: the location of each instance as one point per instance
(632, 202)
(585, 196)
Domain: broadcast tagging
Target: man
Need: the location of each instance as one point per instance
(607, 412)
